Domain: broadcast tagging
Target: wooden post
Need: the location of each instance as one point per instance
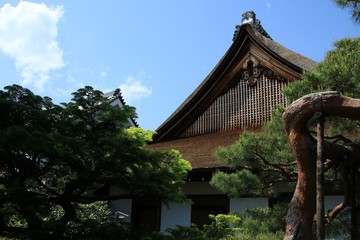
(320, 218)
(354, 229)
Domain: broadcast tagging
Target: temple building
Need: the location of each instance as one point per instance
(239, 94)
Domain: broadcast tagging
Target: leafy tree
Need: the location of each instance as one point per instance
(91, 222)
(338, 72)
(260, 160)
(61, 156)
(354, 5)
(264, 158)
(265, 223)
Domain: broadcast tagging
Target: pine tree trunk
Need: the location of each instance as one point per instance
(303, 204)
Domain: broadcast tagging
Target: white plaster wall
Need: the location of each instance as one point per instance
(122, 205)
(174, 214)
(238, 205)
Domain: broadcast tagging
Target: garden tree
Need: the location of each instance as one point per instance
(59, 156)
(354, 5)
(338, 72)
(345, 156)
(262, 159)
(257, 223)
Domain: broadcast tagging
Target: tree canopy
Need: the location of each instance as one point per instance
(60, 156)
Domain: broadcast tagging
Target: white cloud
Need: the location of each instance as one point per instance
(28, 35)
(134, 90)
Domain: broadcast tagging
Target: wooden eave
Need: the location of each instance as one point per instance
(227, 72)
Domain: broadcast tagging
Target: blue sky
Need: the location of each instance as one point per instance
(156, 51)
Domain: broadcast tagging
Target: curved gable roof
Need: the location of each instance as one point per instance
(246, 38)
(304, 63)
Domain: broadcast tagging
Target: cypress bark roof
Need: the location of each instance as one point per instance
(298, 60)
(199, 150)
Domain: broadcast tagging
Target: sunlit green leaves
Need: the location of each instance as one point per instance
(57, 157)
(239, 183)
(259, 159)
(338, 72)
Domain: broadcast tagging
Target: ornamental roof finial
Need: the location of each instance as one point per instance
(249, 18)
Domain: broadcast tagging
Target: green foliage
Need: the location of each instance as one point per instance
(91, 222)
(55, 159)
(261, 223)
(260, 159)
(338, 72)
(264, 220)
(222, 226)
(267, 223)
(237, 183)
(260, 236)
(186, 233)
(354, 5)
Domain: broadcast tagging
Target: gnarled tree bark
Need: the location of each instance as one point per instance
(303, 204)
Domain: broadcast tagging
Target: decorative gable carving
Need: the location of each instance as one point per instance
(254, 70)
(249, 103)
(251, 73)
